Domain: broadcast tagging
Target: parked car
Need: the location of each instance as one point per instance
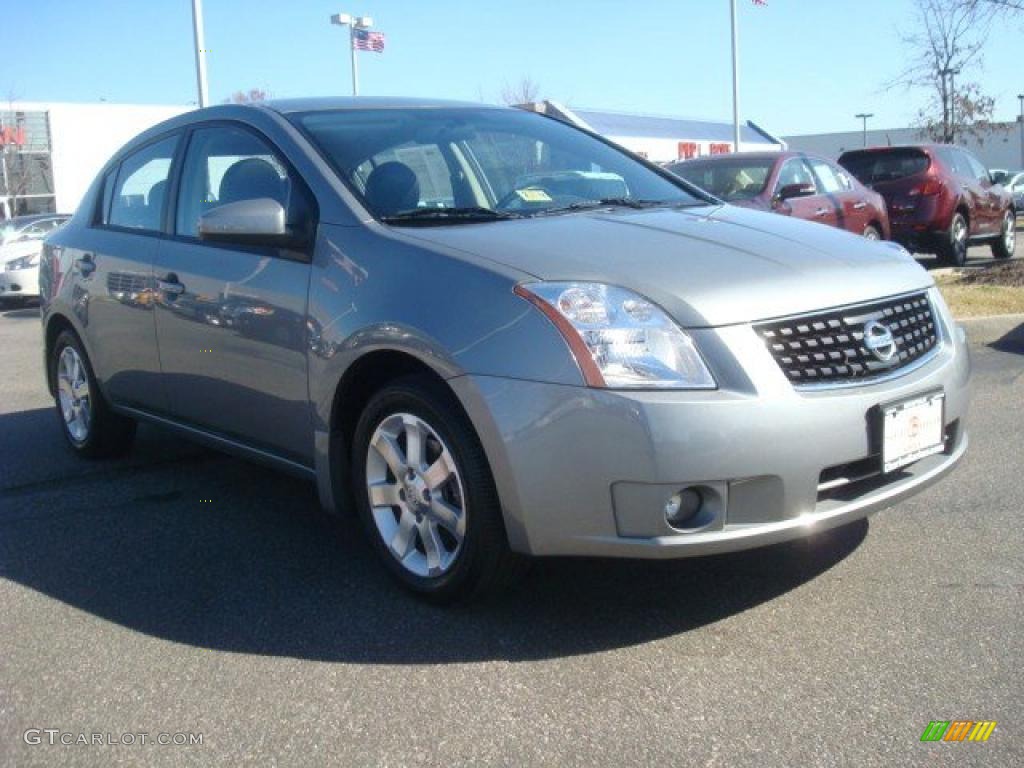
(21, 242)
(793, 184)
(998, 175)
(530, 371)
(1015, 186)
(941, 199)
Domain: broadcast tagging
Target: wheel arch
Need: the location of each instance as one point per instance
(364, 376)
(55, 325)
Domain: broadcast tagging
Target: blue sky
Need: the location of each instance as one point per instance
(806, 65)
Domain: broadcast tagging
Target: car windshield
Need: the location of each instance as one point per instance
(730, 178)
(453, 165)
(873, 166)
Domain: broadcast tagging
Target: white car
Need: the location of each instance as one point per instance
(21, 242)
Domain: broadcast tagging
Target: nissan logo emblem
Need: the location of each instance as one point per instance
(879, 341)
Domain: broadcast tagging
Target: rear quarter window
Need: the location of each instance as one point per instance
(887, 165)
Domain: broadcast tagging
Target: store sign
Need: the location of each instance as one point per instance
(687, 150)
(12, 135)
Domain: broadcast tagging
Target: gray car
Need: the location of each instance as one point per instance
(493, 335)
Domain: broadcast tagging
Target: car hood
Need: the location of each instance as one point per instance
(706, 266)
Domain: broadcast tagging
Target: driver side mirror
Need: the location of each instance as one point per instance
(260, 221)
(790, 191)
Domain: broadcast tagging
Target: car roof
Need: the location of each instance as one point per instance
(766, 155)
(289, 106)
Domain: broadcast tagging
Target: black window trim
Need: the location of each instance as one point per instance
(304, 255)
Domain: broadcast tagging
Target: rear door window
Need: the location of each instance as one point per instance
(830, 183)
(795, 171)
(140, 190)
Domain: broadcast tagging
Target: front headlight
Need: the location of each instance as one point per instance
(619, 338)
(24, 262)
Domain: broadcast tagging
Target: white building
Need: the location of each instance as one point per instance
(1000, 147)
(663, 139)
(51, 151)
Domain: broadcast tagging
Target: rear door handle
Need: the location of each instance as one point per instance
(169, 284)
(86, 265)
(860, 206)
(821, 212)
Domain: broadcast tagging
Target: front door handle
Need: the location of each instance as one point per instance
(821, 212)
(169, 284)
(86, 265)
(860, 206)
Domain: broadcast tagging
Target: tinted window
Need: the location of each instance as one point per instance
(141, 187)
(730, 178)
(501, 159)
(225, 164)
(877, 165)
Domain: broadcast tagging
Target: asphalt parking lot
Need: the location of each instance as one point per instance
(182, 591)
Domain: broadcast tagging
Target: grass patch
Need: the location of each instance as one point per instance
(996, 290)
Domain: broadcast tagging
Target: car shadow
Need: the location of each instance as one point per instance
(1012, 341)
(21, 312)
(195, 547)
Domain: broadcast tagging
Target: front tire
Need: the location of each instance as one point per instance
(90, 427)
(953, 248)
(1004, 246)
(425, 494)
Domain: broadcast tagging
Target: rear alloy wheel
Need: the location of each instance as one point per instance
(871, 233)
(1004, 246)
(428, 500)
(953, 250)
(91, 428)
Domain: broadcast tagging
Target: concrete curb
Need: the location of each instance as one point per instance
(985, 330)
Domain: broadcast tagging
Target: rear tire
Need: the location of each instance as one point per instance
(871, 233)
(1004, 245)
(441, 533)
(89, 425)
(953, 247)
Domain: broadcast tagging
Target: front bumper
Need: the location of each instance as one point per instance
(20, 283)
(588, 472)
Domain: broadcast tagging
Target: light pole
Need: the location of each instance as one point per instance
(197, 32)
(951, 72)
(863, 117)
(735, 79)
(353, 23)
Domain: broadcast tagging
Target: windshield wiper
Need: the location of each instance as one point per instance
(444, 215)
(604, 202)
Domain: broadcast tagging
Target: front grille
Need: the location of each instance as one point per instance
(829, 347)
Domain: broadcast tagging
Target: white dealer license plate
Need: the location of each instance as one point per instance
(911, 430)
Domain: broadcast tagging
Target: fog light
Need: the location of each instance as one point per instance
(683, 507)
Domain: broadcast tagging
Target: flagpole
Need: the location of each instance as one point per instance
(352, 48)
(735, 81)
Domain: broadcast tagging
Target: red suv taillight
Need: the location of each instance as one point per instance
(927, 188)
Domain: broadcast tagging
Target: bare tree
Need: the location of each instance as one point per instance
(946, 47)
(526, 91)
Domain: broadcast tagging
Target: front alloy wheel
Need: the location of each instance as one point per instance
(416, 495)
(426, 496)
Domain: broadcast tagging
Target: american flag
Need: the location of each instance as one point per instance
(365, 40)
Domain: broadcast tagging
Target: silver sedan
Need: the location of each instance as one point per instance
(493, 335)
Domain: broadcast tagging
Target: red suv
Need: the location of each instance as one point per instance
(940, 198)
(791, 183)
